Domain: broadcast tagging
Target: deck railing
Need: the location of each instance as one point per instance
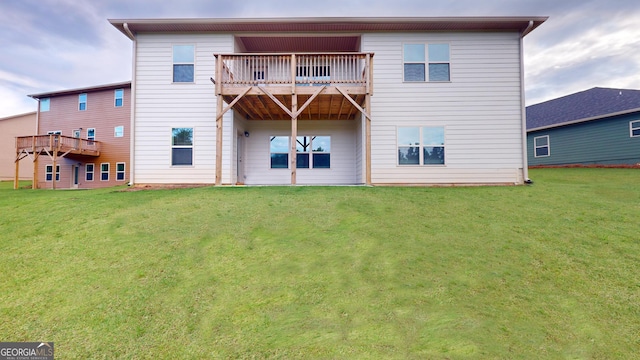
(333, 69)
(55, 142)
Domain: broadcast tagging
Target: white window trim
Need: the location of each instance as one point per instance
(421, 146)
(426, 62)
(57, 173)
(634, 125)
(86, 102)
(93, 173)
(311, 152)
(124, 172)
(115, 131)
(54, 132)
(94, 134)
(48, 101)
(192, 147)
(115, 97)
(535, 146)
(108, 171)
(288, 153)
(184, 63)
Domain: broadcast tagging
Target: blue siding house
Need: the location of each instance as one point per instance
(599, 126)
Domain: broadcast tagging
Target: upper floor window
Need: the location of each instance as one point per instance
(183, 63)
(82, 102)
(634, 128)
(426, 62)
(119, 96)
(421, 145)
(54, 132)
(313, 75)
(118, 131)
(91, 134)
(541, 146)
(45, 104)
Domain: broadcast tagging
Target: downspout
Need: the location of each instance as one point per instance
(132, 133)
(523, 110)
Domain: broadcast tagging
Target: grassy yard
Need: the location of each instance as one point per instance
(549, 271)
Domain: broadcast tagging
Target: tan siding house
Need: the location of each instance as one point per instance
(10, 127)
(83, 137)
(377, 101)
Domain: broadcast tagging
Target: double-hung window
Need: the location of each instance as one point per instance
(183, 63)
(279, 151)
(104, 172)
(118, 131)
(45, 104)
(634, 128)
(118, 97)
(313, 152)
(541, 146)
(182, 146)
(48, 170)
(91, 135)
(120, 171)
(421, 145)
(426, 62)
(89, 169)
(82, 102)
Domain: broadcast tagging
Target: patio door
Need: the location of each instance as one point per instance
(76, 143)
(75, 176)
(240, 157)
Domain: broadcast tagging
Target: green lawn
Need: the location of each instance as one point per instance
(550, 270)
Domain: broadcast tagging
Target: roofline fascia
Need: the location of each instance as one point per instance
(79, 90)
(279, 20)
(120, 23)
(618, 113)
(18, 115)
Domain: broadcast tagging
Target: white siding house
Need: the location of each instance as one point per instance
(377, 101)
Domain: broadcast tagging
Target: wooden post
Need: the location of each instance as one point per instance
(367, 120)
(16, 178)
(367, 108)
(53, 171)
(219, 114)
(34, 182)
(294, 120)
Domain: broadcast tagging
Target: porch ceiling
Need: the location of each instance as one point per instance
(323, 107)
(298, 44)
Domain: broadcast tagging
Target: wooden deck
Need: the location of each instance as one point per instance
(57, 145)
(302, 86)
(261, 86)
(53, 145)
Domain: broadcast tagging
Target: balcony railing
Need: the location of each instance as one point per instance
(331, 69)
(57, 143)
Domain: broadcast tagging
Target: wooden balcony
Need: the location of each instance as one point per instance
(57, 145)
(331, 86)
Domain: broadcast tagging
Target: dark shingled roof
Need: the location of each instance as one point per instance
(588, 104)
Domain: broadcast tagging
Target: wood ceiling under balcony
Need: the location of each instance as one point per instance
(329, 105)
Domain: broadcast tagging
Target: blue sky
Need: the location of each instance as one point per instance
(50, 45)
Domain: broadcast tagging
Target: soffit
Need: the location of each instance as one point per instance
(297, 44)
